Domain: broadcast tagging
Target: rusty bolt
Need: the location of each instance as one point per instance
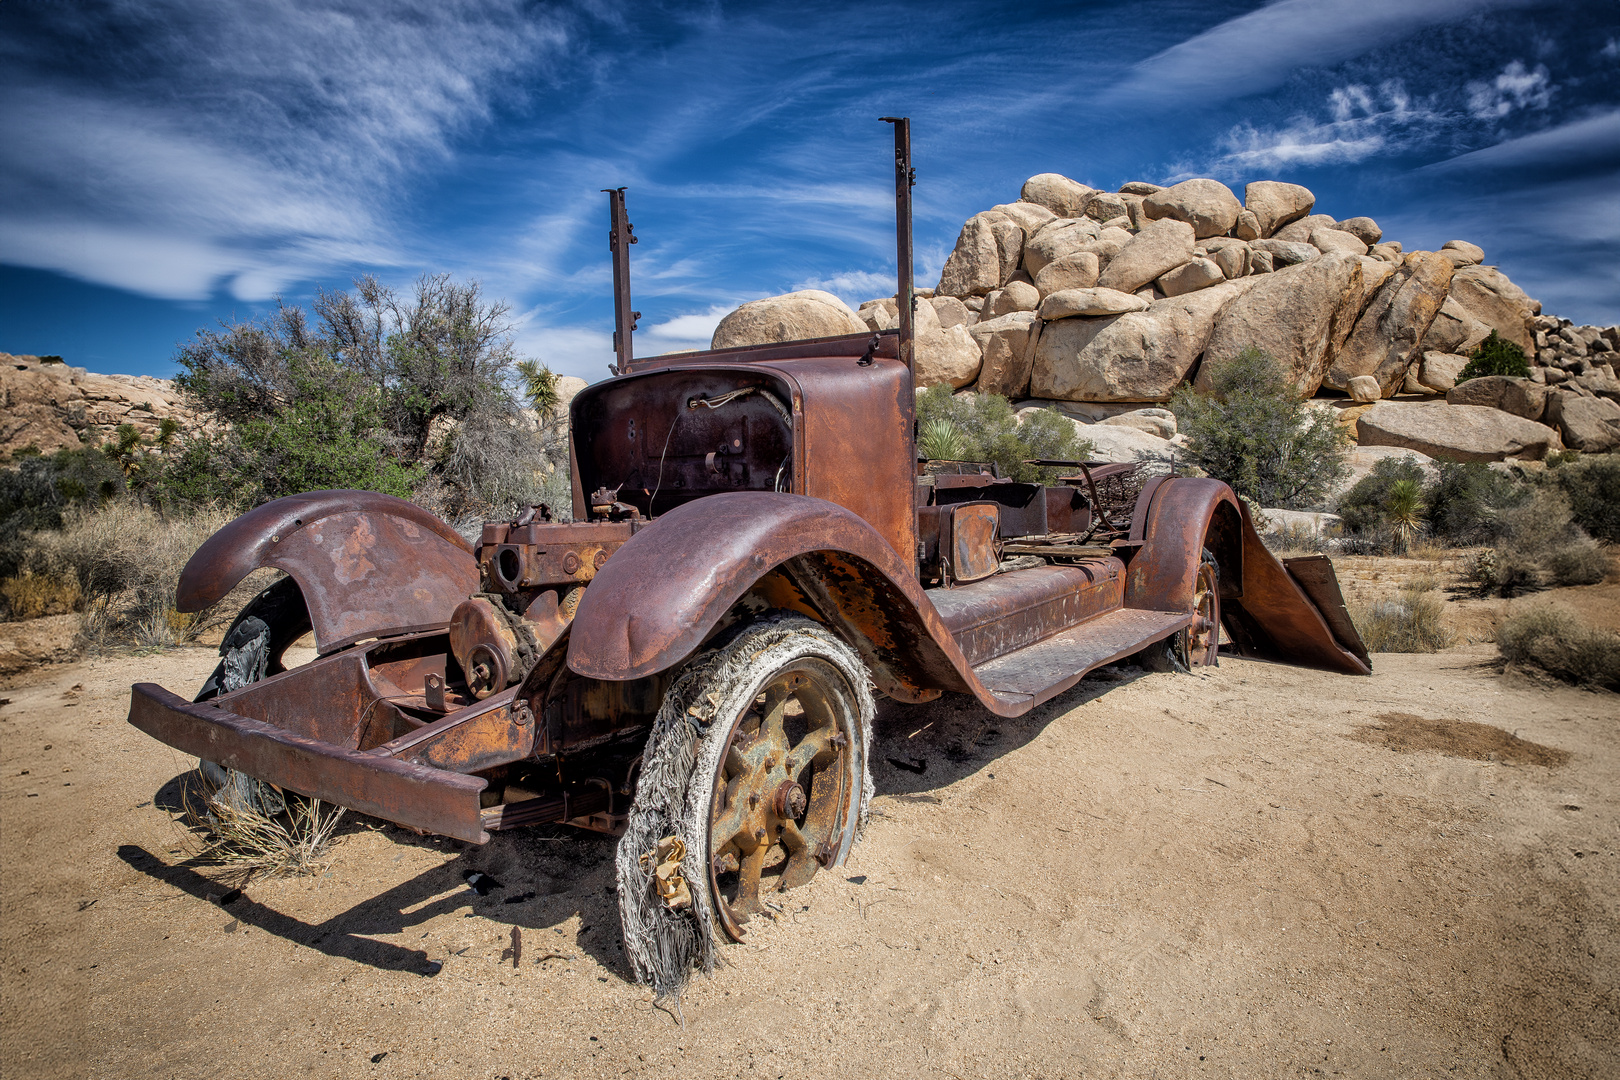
(599, 558)
(753, 799)
(571, 563)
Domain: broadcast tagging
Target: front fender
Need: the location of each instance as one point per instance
(661, 595)
(368, 564)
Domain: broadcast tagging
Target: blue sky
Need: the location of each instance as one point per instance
(169, 163)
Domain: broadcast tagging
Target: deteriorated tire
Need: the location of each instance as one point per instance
(252, 650)
(757, 762)
(1198, 645)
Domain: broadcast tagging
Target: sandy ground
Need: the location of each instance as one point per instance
(1256, 871)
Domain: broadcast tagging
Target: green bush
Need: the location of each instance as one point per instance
(419, 395)
(1365, 507)
(1495, 356)
(35, 494)
(1592, 486)
(1254, 432)
(328, 433)
(984, 428)
(1466, 500)
(1554, 639)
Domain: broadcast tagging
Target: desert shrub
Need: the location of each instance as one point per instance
(1365, 508)
(32, 596)
(1411, 623)
(1580, 563)
(1591, 484)
(246, 843)
(1554, 639)
(1495, 356)
(1253, 431)
(983, 427)
(1540, 524)
(126, 559)
(382, 391)
(1466, 499)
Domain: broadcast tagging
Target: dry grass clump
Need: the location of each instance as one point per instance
(1540, 545)
(33, 596)
(126, 559)
(1579, 563)
(1553, 638)
(1411, 623)
(247, 842)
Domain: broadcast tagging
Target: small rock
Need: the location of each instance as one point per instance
(1473, 253)
(1190, 277)
(1276, 204)
(1337, 241)
(1163, 245)
(1364, 229)
(1014, 296)
(1077, 270)
(1521, 397)
(1089, 303)
(1286, 252)
(1364, 388)
(1059, 194)
(1299, 232)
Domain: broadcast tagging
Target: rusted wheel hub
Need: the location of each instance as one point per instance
(782, 792)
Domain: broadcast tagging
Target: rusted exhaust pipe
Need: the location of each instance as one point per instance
(620, 236)
(904, 179)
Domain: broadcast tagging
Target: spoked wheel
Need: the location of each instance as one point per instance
(1204, 636)
(786, 790)
(754, 778)
(1199, 644)
(252, 650)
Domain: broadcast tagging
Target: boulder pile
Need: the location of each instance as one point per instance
(1101, 304)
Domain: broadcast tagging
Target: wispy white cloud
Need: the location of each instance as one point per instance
(1517, 87)
(853, 287)
(1259, 50)
(259, 136)
(1591, 140)
(684, 332)
(1362, 122)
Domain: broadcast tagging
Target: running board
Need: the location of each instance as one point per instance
(1042, 671)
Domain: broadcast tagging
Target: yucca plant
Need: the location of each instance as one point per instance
(940, 440)
(1405, 510)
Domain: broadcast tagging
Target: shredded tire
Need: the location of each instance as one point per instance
(666, 945)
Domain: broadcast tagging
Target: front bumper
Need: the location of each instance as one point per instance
(434, 800)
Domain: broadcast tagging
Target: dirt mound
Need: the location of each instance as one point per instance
(1406, 733)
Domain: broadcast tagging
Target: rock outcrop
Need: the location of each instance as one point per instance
(52, 406)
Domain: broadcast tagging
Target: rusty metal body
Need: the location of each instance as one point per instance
(462, 688)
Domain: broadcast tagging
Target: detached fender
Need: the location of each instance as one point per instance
(662, 594)
(1269, 613)
(368, 564)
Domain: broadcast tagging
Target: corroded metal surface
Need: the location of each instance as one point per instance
(423, 798)
(369, 565)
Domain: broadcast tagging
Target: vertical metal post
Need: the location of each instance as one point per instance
(904, 178)
(620, 236)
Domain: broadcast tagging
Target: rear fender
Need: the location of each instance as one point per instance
(369, 565)
(665, 592)
(1184, 515)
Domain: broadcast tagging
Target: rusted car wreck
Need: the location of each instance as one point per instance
(691, 664)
